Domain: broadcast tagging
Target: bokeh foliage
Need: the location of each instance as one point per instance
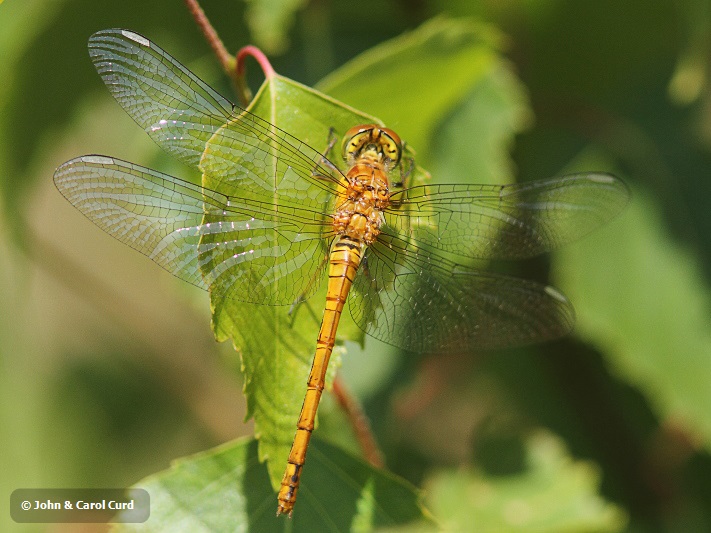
(108, 368)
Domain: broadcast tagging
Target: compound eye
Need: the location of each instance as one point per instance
(392, 145)
(394, 137)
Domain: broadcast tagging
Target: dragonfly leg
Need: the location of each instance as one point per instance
(324, 160)
(405, 173)
(301, 298)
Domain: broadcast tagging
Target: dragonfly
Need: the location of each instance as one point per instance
(283, 216)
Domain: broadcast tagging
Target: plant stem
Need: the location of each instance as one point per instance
(242, 88)
(359, 422)
(233, 67)
(223, 56)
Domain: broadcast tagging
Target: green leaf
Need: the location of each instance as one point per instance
(473, 145)
(552, 494)
(228, 489)
(641, 299)
(413, 81)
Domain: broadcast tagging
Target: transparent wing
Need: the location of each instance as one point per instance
(240, 152)
(416, 300)
(235, 247)
(266, 222)
(506, 221)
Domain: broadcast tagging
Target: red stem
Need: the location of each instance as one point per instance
(359, 422)
(223, 56)
(233, 67)
(245, 95)
(259, 56)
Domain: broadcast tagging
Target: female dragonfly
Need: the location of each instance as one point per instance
(283, 215)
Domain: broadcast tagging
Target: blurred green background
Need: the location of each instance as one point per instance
(108, 367)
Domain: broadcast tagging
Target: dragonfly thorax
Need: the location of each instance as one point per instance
(371, 152)
(360, 213)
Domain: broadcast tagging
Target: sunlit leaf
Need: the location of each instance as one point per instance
(228, 489)
(473, 144)
(413, 81)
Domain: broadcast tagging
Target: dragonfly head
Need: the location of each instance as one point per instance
(373, 142)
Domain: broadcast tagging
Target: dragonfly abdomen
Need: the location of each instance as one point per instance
(343, 264)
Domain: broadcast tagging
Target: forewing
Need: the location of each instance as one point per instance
(419, 301)
(506, 221)
(178, 110)
(234, 247)
(239, 152)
